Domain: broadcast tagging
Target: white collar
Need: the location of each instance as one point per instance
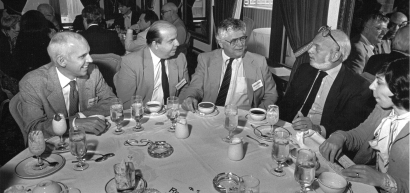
(155, 58)
(225, 58)
(334, 71)
(64, 81)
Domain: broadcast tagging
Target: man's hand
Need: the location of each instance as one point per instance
(302, 123)
(364, 174)
(92, 125)
(190, 104)
(135, 27)
(332, 147)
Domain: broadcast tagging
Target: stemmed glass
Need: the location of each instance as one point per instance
(272, 116)
(37, 145)
(60, 127)
(173, 102)
(280, 151)
(172, 111)
(78, 147)
(305, 168)
(137, 112)
(117, 115)
(231, 120)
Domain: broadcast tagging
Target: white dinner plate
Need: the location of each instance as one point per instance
(23, 169)
(110, 187)
(250, 120)
(213, 114)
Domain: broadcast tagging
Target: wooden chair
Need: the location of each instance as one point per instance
(16, 111)
(109, 64)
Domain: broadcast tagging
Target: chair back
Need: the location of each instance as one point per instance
(16, 111)
(109, 64)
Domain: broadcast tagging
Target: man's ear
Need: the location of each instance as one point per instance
(336, 56)
(155, 44)
(61, 61)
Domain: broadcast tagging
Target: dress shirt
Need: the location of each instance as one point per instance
(238, 89)
(65, 86)
(158, 93)
(371, 51)
(315, 113)
(127, 20)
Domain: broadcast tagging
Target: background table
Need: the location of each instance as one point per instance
(194, 163)
(259, 41)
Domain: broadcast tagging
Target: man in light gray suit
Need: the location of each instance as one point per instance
(155, 72)
(69, 85)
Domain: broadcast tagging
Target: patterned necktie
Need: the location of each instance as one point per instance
(313, 92)
(223, 91)
(164, 80)
(73, 98)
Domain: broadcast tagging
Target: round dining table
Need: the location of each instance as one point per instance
(191, 167)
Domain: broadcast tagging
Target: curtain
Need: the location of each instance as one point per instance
(302, 19)
(14, 7)
(224, 9)
(74, 8)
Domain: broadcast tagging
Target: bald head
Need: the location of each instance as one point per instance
(397, 20)
(171, 6)
(401, 40)
(169, 12)
(61, 44)
(157, 29)
(47, 11)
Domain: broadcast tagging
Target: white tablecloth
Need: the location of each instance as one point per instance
(194, 163)
(259, 41)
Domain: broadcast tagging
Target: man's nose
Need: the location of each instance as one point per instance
(88, 58)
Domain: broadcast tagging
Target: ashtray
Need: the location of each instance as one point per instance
(160, 149)
(227, 182)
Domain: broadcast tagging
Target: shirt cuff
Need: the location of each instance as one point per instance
(81, 115)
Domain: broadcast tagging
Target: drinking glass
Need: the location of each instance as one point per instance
(137, 111)
(173, 102)
(117, 115)
(305, 168)
(231, 120)
(37, 145)
(172, 115)
(60, 127)
(124, 177)
(250, 184)
(272, 116)
(78, 147)
(280, 151)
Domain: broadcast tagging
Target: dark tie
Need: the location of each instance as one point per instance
(223, 91)
(73, 98)
(311, 98)
(164, 80)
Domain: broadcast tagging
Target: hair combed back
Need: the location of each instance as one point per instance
(92, 14)
(150, 16)
(154, 32)
(377, 16)
(60, 43)
(229, 25)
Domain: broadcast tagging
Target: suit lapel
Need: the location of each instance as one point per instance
(148, 75)
(251, 76)
(403, 133)
(172, 76)
(84, 89)
(55, 98)
(215, 69)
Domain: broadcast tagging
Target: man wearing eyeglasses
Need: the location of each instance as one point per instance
(230, 75)
(325, 96)
(169, 13)
(363, 45)
(397, 21)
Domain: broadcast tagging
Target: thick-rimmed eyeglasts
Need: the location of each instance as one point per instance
(163, 12)
(325, 30)
(235, 42)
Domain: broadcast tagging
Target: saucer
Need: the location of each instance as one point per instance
(250, 120)
(110, 187)
(200, 114)
(159, 113)
(23, 169)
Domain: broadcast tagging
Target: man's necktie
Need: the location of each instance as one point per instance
(313, 92)
(73, 98)
(164, 80)
(223, 91)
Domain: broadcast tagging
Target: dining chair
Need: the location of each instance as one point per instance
(16, 111)
(109, 64)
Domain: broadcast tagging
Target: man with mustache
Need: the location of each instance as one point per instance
(156, 71)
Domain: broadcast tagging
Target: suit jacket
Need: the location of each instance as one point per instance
(357, 141)
(360, 54)
(376, 62)
(136, 76)
(103, 41)
(137, 44)
(205, 82)
(348, 103)
(120, 20)
(42, 97)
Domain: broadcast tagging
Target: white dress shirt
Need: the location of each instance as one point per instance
(65, 87)
(158, 93)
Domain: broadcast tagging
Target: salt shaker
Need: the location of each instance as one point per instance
(181, 130)
(235, 151)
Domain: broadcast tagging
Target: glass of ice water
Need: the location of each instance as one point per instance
(78, 147)
(272, 116)
(305, 168)
(280, 151)
(117, 115)
(137, 111)
(231, 120)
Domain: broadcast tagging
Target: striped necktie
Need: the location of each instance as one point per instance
(223, 91)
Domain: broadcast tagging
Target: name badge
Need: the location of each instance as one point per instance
(180, 84)
(257, 85)
(92, 102)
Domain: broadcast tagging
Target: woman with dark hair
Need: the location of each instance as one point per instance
(10, 28)
(32, 42)
(383, 138)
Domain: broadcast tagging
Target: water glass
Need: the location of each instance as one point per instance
(173, 102)
(117, 115)
(231, 120)
(37, 145)
(78, 147)
(272, 116)
(124, 176)
(250, 184)
(172, 115)
(137, 111)
(305, 168)
(280, 151)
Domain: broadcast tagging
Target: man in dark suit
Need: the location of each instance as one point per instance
(129, 17)
(69, 84)
(101, 41)
(338, 101)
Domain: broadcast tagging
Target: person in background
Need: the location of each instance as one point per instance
(69, 84)
(101, 41)
(325, 95)
(147, 18)
(49, 14)
(169, 13)
(397, 20)
(129, 14)
(10, 28)
(79, 24)
(230, 75)
(383, 138)
(373, 29)
(155, 72)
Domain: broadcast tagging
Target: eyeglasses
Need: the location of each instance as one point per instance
(392, 24)
(325, 30)
(163, 12)
(235, 42)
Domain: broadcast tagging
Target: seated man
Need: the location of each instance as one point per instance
(155, 72)
(397, 20)
(129, 15)
(101, 41)
(383, 138)
(147, 18)
(169, 13)
(69, 85)
(229, 75)
(324, 95)
(49, 14)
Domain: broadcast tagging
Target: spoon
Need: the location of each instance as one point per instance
(260, 143)
(253, 126)
(106, 155)
(51, 164)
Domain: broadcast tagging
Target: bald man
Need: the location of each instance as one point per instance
(49, 14)
(169, 13)
(341, 96)
(397, 20)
